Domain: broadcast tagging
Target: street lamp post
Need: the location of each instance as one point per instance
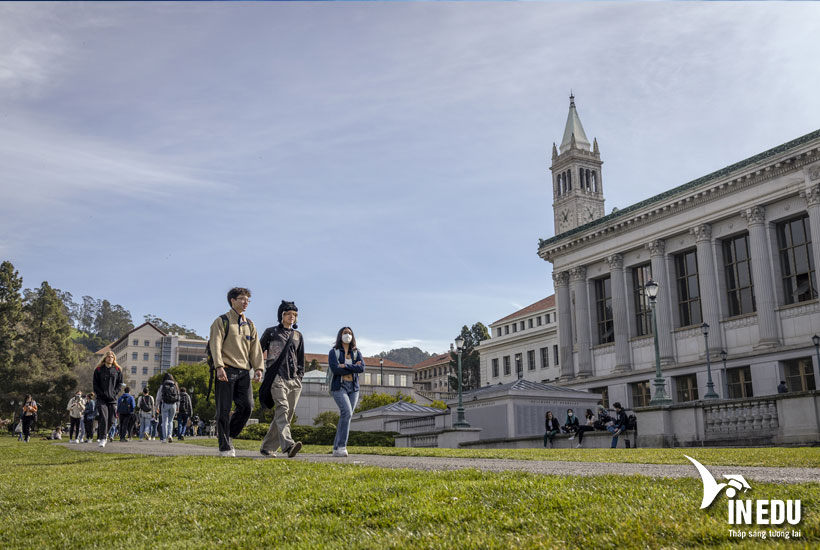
(710, 386)
(460, 420)
(723, 355)
(651, 289)
(816, 341)
(381, 371)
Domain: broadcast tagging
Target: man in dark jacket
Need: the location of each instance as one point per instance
(620, 424)
(284, 350)
(125, 410)
(107, 383)
(186, 408)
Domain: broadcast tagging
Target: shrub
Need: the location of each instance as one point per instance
(438, 404)
(327, 418)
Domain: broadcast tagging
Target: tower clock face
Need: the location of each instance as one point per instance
(564, 219)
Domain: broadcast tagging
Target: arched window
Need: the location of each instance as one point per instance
(569, 180)
(594, 181)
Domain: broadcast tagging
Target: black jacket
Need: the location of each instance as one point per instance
(554, 423)
(107, 383)
(185, 406)
(620, 420)
(273, 341)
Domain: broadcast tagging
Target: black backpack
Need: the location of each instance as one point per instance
(125, 405)
(170, 392)
(146, 403)
(631, 422)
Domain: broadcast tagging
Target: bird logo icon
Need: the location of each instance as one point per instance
(711, 488)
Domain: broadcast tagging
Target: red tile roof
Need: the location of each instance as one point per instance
(546, 303)
(434, 360)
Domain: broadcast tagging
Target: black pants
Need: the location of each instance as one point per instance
(107, 412)
(236, 390)
(27, 422)
(75, 428)
(125, 425)
(89, 429)
(581, 430)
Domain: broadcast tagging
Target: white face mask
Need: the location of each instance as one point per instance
(570, 414)
(346, 338)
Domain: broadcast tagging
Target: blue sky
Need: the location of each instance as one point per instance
(384, 165)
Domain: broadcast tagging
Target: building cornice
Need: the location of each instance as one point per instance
(746, 173)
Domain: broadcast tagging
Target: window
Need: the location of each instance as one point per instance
(147, 343)
(531, 359)
(799, 374)
(643, 321)
(144, 370)
(144, 383)
(515, 327)
(156, 357)
(495, 368)
(796, 260)
(548, 318)
(603, 306)
(529, 323)
(522, 325)
(499, 331)
(740, 382)
(391, 379)
(145, 357)
(687, 388)
(555, 355)
(604, 391)
(545, 358)
(134, 355)
(367, 378)
(136, 342)
(506, 365)
(738, 268)
(538, 320)
(519, 364)
(402, 380)
(156, 370)
(506, 329)
(640, 394)
(686, 270)
(133, 370)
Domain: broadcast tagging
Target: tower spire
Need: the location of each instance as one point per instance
(574, 126)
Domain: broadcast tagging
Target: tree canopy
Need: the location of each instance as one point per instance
(470, 360)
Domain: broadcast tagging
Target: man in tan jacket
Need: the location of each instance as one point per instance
(236, 352)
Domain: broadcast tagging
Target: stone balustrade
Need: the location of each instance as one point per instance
(740, 417)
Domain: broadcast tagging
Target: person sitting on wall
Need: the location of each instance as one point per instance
(571, 424)
(551, 428)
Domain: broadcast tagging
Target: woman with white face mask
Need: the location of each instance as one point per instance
(346, 363)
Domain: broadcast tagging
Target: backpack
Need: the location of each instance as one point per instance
(341, 359)
(146, 403)
(170, 392)
(185, 404)
(125, 407)
(631, 422)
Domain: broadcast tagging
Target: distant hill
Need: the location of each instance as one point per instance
(406, 356)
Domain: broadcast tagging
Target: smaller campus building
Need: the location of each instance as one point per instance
(433, 374)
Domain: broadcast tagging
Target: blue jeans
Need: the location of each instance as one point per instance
(168, 411)
(612, 429)
(145, 426)
(182, 421)
(346, 400)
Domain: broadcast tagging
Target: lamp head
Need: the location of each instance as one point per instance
(704, 328)
(816, 340)
(381, 361)
(459, 343)
(651, 289)
(723, 354)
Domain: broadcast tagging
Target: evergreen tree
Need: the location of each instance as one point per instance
(470, 359)
(11, 315)
(112, 321)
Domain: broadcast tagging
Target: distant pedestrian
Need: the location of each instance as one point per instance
(619, 424)
(284, 350)
(125, 411)
(28, 416)
(551, 427)
(782, 388)
(588, 426)
(75, 408)
(154, 427)
(235, 349)
(89, 414)
(186, 409)
(107, 384)
(167, 401)
(145, 406)
(345, 363)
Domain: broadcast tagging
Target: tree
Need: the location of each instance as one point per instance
(438, 404)
(313, 365)
(70, 307)
(171, 328)
(11, 315)
(406, 356)
(376, 400)
(327, 419)
(194, 378)
(87, 312)
(470, 360)
(112, 321)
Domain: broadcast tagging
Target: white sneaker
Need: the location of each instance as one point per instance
(102, 443)
(231, 453)
(578, 446)
(571, 437)
(341, 451)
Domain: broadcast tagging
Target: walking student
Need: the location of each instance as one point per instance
(235, 349)
(167, 402)
(145, 406)
(75, 408)
(285, 366)
(345, 363)
(107, 383)
(125, 410)
(186, 408)
(28, 416)
(89, 414)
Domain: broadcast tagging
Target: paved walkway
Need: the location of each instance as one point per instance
(787, 475)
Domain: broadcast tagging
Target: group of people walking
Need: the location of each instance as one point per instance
(573, 426)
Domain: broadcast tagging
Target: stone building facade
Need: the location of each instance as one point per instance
(735, 249)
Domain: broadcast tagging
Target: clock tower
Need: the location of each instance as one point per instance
(578, 196)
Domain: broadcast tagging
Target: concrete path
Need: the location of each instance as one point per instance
(776, 475)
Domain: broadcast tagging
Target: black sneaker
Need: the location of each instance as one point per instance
(295, 448)
(266, 452)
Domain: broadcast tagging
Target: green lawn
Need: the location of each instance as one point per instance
(56, 497)
(753, 456)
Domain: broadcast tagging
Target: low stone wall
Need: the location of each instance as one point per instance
(592, 440)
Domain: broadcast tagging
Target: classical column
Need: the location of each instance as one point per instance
(578, 278)
(812, 196)
(707, 281)
(657, 255)
(560, 281)
(619, 319)
(764, 290)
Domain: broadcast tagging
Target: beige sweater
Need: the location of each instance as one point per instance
(240, 349)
